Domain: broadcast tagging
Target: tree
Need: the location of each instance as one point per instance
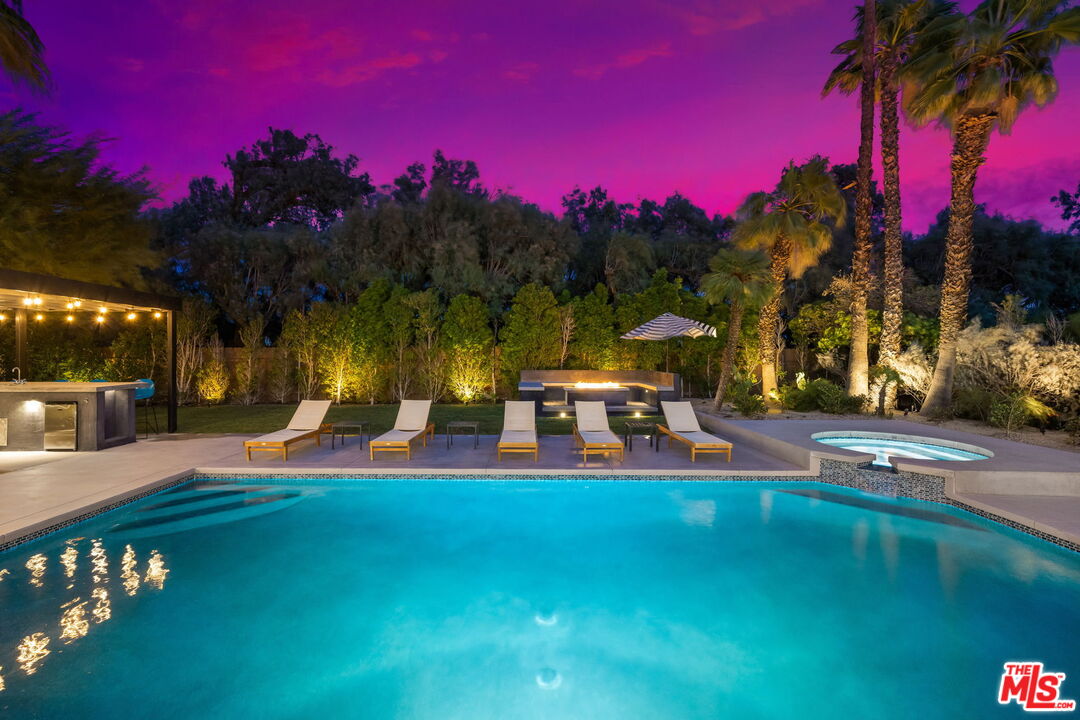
(300, 340)
(1070, 208)
(859, 362)
(466, 339)
(899, 24)
(592, 344)
(973, 74)
(530, 338)
(194, 325)
(742, 279)
(628, 262)
(791, 223)
(64, 213)
(427, 347)
(287, 178)
(22, 54)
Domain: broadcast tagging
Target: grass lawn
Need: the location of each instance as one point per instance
(267, 418)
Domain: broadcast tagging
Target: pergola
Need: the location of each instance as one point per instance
(23, 296)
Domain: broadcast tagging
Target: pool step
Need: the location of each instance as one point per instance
(197, 506)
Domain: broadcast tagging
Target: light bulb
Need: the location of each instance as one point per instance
(3, 317)
(77, 303)
(70, 318)
(39, 317)
(131, 316)
(100, 318)
(37, 301)
(157, 315)
(27, 301)
(71, 306)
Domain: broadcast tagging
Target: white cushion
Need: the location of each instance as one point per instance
(309, 415)
(281, 436)
(397, 436)
(702, 438)
(520, 415)
(591, 416)
(518, 436)
(412, 415)
(680, 416)
(598, 437)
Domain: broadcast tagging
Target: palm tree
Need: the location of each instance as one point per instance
(22, 54)
(742, 279)
(973, 74)
(791, 224)
(899, 24)
(859, 358)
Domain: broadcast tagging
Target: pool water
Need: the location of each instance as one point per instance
(884, 448)
(478, 600)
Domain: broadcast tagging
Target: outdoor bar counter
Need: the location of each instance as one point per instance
(66, 415)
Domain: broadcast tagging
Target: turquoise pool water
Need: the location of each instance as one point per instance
(884, 448)
(478, 600)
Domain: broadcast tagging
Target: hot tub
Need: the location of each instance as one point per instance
(889, 445)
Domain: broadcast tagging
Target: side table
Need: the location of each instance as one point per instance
(462, 425)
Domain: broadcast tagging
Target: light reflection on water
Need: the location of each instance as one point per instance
(78, 614)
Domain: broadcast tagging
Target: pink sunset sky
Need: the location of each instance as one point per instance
(644, 97)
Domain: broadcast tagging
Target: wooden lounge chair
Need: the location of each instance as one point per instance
(682, 425)
(412, 423)
(592, 432)
(306, 424)
(519, 429)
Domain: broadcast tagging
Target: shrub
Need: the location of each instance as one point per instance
(745, 400)
(820, 395)
(213, 380)
(1017, 410)
(974, 403)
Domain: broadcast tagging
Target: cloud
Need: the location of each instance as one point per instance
(625, 60)
(422, 35)
(437, 56)
(522, 72)
(368, 70)
(709, 18)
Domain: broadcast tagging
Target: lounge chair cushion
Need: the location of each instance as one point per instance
(412, 415)
(592, 416)
(520, 415)
(518, 437)
(309, 415)
(700, 438)
(397, 436)
(598, 437)
(680, 417)
(281, 436)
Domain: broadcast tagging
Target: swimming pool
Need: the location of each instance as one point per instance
(884, 446)
(522, 599)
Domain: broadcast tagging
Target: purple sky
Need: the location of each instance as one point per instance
(645, 97)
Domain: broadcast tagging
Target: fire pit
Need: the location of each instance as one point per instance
(622, 391)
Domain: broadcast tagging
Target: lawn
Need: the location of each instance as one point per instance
(267, 418)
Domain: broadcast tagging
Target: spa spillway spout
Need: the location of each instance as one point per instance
(18, 376)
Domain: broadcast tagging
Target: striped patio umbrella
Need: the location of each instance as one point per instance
(669, 326)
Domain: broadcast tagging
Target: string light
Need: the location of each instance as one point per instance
(100, 319)
(39, 317)
(157, 314)
(37, 301)
(3, 317)
(131, 316)
(27, 301)
(70, 318)
(71, 306)
(103, 310)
